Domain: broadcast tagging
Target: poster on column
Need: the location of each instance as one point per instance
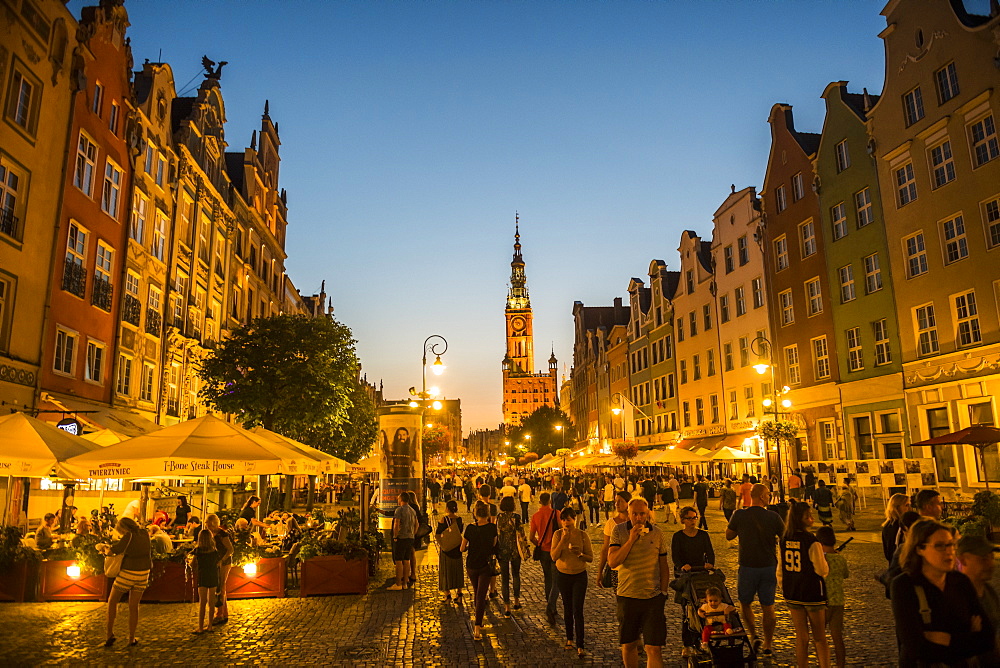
(400, 454)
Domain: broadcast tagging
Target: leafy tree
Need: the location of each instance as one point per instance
(541, 426)
(435, 440)
(353, 438)
(294, 375)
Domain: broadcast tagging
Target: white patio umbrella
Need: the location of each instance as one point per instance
(326, 463)
(105, 437)
(203, 447)
(727, 453)
(30, 448)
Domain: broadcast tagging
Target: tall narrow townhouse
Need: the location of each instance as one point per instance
(85, 294)
(591, 325)
(935, 137)
(742, 313)
(202, 301)
(700, 391)
(620, 383)
(139, 357)
(803, 343)
(634, 418)
(36, 55)
(861, 288)
(663, 403)
(261, 214)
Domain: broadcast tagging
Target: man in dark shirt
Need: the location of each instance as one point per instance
(759, 530)
(559, 500)
(701, 500)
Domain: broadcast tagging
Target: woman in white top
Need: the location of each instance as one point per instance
(571, 552)
(621, 515)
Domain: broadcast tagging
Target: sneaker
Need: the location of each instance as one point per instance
(395, 587)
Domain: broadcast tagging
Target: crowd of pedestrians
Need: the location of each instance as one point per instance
(945, 611)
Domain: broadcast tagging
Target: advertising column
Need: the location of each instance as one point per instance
(400, 455)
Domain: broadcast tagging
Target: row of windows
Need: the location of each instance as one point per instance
(739, 301)
(798, 192)
(863, 213)
(65, 362)
(743, 251)
(954, 239)
(814, 301)
(946, 86)
(855, 351)
(873, 278)
(984, 146)
(85, 173)
(965, 317)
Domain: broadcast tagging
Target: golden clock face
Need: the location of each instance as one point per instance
(517, 323)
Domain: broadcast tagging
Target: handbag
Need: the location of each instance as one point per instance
(609, 577)
(113, 562)
(494, 567)
(450, 538)
(423, 531)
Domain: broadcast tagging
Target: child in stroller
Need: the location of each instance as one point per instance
(712, 632)
(715, 614)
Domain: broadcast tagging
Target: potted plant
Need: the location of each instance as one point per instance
(625, 451)
(170, 579)
(74, 572)
(340, 560)
(18, 566)
(257, 572)
(984, 518)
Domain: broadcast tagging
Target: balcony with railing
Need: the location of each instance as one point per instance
(153, 322)
(102, 293)
(10, 224)
(74, 279)
(132, 310)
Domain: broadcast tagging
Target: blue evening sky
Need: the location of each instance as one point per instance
(412, 131)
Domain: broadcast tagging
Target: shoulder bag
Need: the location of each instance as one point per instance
(113, 562)
(450, 538)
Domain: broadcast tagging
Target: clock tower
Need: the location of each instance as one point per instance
(523, 389)
(520, 345)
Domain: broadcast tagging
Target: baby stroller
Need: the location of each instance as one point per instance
(724, 650)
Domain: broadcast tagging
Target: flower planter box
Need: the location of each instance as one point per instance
(333, 575)
(167, 583)
(55, 585)
(19, 581)
(268, 582)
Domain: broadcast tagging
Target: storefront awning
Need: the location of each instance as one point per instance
(94, 416)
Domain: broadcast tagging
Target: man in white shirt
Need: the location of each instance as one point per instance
(525, 493)
(609, 499)
(508, 488)
(619, 482)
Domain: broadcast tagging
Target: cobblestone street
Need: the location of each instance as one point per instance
(411, 627)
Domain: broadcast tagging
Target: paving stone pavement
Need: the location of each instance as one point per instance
(409, 628)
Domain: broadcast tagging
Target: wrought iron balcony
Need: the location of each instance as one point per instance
(153, 322)
(131, 310)
(74, 279)
(102, 293)
(9, 224)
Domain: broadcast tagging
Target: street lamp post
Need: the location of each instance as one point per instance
(436, 345)
(763, 349)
